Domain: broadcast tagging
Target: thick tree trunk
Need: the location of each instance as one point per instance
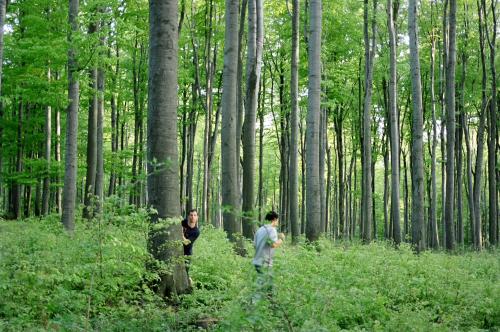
(69, 193)
(313, 219)
(162, 155)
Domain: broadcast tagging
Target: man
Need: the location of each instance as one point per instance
(266, 240)
(190, 233)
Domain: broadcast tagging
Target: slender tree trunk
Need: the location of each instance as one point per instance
(230, 159)
(450, 129)
(3, 8)
(338, 126)
(293, 193)
(254, 65)
(478, 239)
(48, 144)
(88, 210)
(322, 154)
(492, 126)
(99, 179)
(394, 126)
(58, 160)
(69, 193)
(163, 179)
(303, 177)
(434, 238)
(261, 148)
(367, 141)
(239, 101)
(313, 123)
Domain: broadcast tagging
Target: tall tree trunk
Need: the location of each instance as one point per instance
(303, 177)
(88, 210)
(338, 123)
(261, 147)
(58, 159)
(366, 131)
(293, 192)
(48, 144)
(254, 65)
(99, 179)
(162, 155)
(478, 240)
(450, 128)
(230, 159)
(69, 193)
(16, 187)
(3, 8)
(417, 152)
(434, 238)
(492, 126)
(114, 122)
(394, 126)
(240, 100)
(313, 122)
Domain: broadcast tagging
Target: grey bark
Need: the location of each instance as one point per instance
(58, 159)
(313, 221)
(69, 191)
(492, 126)
(434, 238)
(88, 210)
(450, 129)
(366, 132)
(230, 159)
(48, 144)
(417, 152)
(394, 126)
(478, 239)
(99, 179)
(162, 154)
(254, 65)
(293, 192)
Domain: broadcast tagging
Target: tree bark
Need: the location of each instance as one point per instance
(162, 154)
(230, 159)
(48, 145)
(254, 65)
(450, 129)
(69, 192)
(394, 126)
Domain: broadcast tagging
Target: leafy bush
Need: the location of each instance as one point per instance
(95, 280)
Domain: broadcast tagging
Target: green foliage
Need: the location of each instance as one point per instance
(96, 280)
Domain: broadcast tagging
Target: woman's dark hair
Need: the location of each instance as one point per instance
(271, 215)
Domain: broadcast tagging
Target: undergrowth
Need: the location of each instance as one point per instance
(96, 280)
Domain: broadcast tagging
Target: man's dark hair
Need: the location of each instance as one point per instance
(192, 210)
(271, 215)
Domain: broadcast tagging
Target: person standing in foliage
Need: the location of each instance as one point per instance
(266, 240)
(190, 233)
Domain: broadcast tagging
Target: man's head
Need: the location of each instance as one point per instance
(272, 218)
(193, 216)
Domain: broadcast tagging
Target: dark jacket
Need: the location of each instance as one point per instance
(191, 234)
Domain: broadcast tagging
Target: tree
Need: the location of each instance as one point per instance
(228, 142)
(417, 153)
(69, 192)
(394, 126)
(450, 129)
(294, 119)
(313, 221)
(162, 156)
(254, 65)
(366, 200)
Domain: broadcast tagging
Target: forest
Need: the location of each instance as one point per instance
(370, 127)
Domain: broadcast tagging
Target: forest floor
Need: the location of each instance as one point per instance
(94, 281)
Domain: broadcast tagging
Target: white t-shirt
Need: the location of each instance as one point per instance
(264, 237)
